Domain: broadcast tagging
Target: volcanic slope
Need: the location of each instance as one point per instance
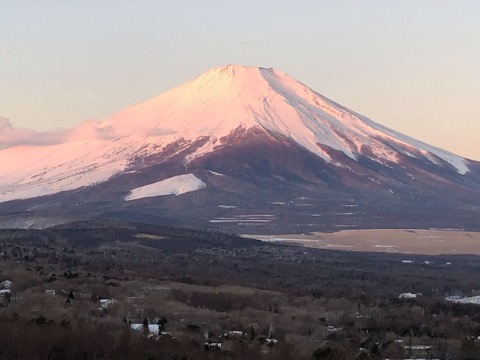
(267, 150)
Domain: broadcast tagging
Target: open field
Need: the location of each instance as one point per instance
(427, 242)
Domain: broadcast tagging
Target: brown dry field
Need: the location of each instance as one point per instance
(428, 242)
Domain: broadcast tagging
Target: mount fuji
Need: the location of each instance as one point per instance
(243, 149)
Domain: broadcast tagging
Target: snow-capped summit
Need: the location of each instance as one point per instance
(227, 98)
(268, 134)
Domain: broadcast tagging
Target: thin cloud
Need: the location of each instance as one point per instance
(13, 136)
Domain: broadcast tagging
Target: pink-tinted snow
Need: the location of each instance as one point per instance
(212, 105)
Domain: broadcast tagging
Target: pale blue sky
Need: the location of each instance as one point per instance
(412, 65)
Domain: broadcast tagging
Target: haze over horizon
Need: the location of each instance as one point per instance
(413, 67)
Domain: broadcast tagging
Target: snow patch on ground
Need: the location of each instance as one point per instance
(246, 219)
(464, 300)
(215, 173)
(407, 295)
(176, 185)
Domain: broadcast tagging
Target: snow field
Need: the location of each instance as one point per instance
(176, 185)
